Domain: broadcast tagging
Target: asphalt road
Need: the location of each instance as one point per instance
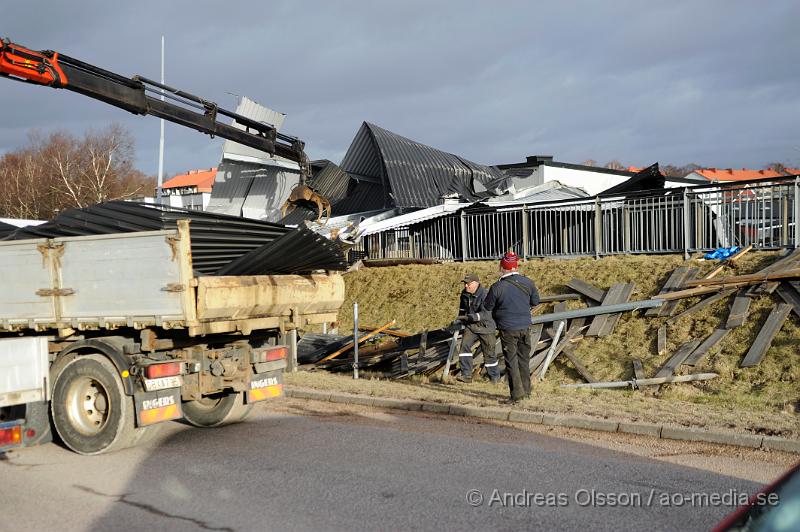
(313, 467)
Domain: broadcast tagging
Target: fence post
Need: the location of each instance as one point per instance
(463, 237)
(796, 212)
(685, 224)
(626, 228)
(598, 230)
(526, 232)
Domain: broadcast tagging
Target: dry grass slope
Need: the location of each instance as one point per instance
(426, 296)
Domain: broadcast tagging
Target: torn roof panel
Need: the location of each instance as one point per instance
(259, 113)
(413, 174)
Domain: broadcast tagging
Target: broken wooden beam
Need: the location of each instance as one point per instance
(738, 312)
(674, 282)
(750, 278)
(592, 292)
(767, 333)
(661, 346)
(638, 383)
(708, 344)
(702, 304)
(619, 293)
(677, 359)
(638, 370)
(790, 294)
(596, 311)
(569, 352)
(360, 340)
(559, 297)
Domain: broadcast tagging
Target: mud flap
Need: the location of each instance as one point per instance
(158, 406)
(264, 386)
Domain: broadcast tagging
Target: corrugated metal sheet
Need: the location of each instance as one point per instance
(270, 189)
(6, 229)
(252, 190)
(298, 251)
(217, 240)
(259, 113)
(417, 175)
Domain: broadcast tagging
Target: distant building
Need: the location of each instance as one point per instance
(744, 174)
(539, 169)
(191, 190)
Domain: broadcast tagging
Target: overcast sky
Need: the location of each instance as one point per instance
(714, 83)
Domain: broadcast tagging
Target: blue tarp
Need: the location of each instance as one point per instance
(722, 253)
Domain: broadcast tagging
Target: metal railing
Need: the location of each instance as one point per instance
(685, 220)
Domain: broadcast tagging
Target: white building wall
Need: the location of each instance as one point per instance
(592, 182)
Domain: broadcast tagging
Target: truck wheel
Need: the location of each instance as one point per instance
(216, 410)
(91, 413)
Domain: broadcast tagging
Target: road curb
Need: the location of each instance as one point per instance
(666, 432)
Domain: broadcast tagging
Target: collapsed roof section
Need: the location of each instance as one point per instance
(221, 245)
(413, 175)
(346, 194)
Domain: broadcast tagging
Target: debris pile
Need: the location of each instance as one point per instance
(556, 334)
(221, 244)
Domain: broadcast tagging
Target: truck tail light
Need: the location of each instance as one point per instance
(269, 354)
(277, 353)
(168, 369)
(11, 436)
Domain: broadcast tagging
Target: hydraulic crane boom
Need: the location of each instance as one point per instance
(62, 72)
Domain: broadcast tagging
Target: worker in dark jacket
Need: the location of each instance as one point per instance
(479, 326)
(510, 300)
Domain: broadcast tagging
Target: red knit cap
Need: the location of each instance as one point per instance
(509, 261)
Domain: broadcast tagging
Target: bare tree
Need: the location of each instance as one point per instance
(615, 165)
(61, 171)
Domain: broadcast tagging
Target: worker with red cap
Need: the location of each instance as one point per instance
(510, 300)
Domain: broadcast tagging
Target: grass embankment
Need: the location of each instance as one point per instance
(763, 398)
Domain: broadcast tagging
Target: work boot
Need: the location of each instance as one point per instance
(465, 380)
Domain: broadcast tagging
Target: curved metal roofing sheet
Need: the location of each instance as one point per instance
(418, 175)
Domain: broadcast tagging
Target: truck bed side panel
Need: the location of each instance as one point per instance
(119, 277)
(24, 271)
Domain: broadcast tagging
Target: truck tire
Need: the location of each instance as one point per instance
(216, 410)
(91, 413)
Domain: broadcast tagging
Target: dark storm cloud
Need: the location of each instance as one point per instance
(708, 82)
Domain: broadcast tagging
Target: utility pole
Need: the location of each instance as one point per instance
(161, 141)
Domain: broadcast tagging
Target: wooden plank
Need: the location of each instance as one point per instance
(638, 370)
(613, 294)
(569, 352)
(360, 340)
(612, 319)
(669, 308)
(662, 340)
(559, 297)
(536, 335)
(677, 274)
(592, 292)
(767, 333)
(782, 264)
(750, 278)
(698, 291)
(707, 345)
(388, 332)
(738, 312)
(790, 294)
(702, 304)
(668, 369)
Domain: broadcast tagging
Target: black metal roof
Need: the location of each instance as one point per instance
(412, 174)
(6, 229)
(217, 239)
(649, 178)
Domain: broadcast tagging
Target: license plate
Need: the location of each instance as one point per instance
(163, 383)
